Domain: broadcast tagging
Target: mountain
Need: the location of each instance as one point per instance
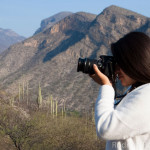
(48, 22)
(8, 37)
(50, 57)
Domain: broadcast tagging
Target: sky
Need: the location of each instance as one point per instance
(24, 16)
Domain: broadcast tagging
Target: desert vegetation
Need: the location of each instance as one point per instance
(43, 125)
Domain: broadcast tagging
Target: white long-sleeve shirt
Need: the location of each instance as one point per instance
(127, 126)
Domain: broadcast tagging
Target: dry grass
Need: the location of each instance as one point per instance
(69, 133)
(42, 131)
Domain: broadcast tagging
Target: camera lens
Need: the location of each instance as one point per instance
(80, 64)
(86, 65)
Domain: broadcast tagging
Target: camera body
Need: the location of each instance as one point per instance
(106, 64)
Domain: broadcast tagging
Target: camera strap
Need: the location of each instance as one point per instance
(131, 88)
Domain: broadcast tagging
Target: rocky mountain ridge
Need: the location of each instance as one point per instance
(50, 57)
(48, 22)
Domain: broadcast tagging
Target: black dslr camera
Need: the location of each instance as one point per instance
(106, 64)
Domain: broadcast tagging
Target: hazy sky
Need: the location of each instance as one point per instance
(24, 16)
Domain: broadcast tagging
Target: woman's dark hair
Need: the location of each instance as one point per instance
(132, 54)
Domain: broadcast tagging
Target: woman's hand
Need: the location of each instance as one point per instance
(99, 77)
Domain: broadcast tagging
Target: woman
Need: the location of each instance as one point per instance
(126, 126)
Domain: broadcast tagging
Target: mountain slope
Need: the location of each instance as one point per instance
(8, 37)
(50, 57)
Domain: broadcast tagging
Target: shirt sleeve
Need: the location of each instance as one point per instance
(119, 123)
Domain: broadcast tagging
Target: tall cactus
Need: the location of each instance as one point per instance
(56, 108)
(64, 106)
(23, 90)
(53, 109)
(48, 102)
(93, 119)
(63, 109)
(39, 100)
(51, 105)
(62, 112)
(27, 93)
(19, 92)
(11, 101)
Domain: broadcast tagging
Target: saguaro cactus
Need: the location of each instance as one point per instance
(51, 105)
(11, 101)
(27, 93)
(19, 92)
(23, 90)
(39, 100)
(56, 108)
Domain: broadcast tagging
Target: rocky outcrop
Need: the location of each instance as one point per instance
(49, 22)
